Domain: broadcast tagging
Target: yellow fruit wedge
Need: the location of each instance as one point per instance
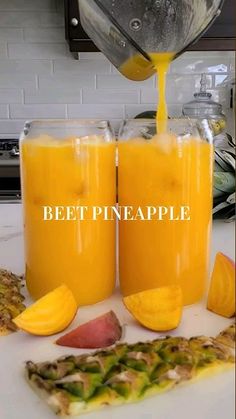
(221, 296)
(158, 309)
(50, 314)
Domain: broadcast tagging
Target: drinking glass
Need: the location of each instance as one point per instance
(172, 173)
(67, 165)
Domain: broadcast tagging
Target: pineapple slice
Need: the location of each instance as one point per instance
(158, 309)
(221, 297)
(78, 384)
(11, 300)
(50, 314)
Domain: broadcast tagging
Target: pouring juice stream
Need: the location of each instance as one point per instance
(161, 62)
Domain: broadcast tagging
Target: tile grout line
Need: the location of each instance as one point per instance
(66, 111)
(8, 111)
(7, 51)
(23, 32)
(52, 63)
(37, 81)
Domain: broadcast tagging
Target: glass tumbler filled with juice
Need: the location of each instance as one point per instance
(165, 179)
(67, 168)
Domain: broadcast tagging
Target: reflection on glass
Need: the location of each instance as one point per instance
(166, 170)
(68, 164)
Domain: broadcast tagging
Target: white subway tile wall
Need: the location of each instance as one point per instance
(36, 111)
(4, 111)
(11, 95)
(3, 50)
(39, 78)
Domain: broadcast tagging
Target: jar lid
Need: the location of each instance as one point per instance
(203, 106)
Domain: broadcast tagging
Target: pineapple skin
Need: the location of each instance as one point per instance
(74, 385)
(11, 301)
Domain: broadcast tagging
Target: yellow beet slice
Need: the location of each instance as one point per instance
(158, 309)
(50, 314)
(221, 296)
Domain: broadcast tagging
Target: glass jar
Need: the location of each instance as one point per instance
(66, 167)
(166, 182)
(204, 107)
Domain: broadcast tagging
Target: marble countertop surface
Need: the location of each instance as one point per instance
(211, 398)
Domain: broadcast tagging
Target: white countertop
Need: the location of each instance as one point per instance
(212, 398)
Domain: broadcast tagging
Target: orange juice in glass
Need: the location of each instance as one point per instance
(68, 165)
(164, 171)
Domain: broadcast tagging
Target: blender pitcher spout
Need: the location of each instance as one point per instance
(127, 31)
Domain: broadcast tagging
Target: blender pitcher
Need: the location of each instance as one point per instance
(127, 30)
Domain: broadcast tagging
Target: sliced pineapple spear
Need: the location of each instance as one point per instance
(11, 300)
(74, 385)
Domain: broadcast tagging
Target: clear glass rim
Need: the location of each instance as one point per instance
(141, 121)
(199, 127)
(68, 123)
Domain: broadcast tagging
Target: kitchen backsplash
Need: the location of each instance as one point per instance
(39, 78)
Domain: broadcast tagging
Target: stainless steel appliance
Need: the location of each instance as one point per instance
(9, 170)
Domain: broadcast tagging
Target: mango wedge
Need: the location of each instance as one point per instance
(158, 309)
(221, 296)
(50, 314)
